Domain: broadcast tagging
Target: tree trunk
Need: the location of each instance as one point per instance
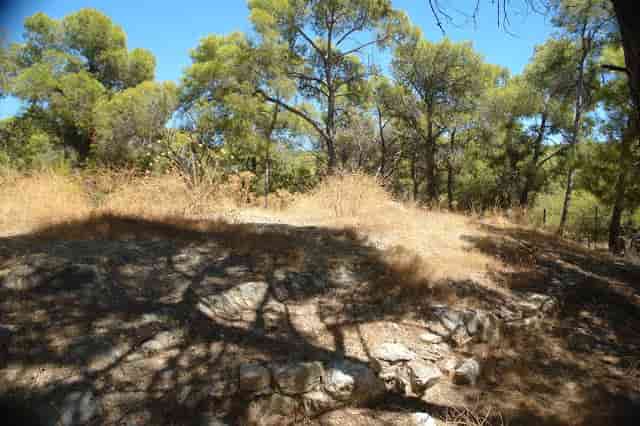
(533, 164)
(383, 144)
(567, 201)
(628, 16)
(621, 187)
(450, 177)
(267, 184)
(575, 134)
(431, 173)
(267, 157)
(414, 175)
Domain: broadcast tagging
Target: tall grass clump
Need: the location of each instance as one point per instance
(342, 196)
(40, 198)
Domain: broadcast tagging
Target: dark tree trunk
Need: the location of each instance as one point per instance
(414, 175)
(567, 201)
(383, 144)
(621, 188)
(450, 171)
(577, 122)
(628, 16)
(431, 172)
(533, 164)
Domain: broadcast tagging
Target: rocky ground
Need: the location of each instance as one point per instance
(279, 324)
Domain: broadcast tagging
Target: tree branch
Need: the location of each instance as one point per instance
(295, 111)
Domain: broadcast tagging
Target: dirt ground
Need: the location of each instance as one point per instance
(116, 313)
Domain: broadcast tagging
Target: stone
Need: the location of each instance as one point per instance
(449, 364)
(393, 352)
(27, 277)
(431, 338)
(255, 379)
(397, 378)
(422, 376)
(467, 373)
(161, 341)
(540, 303)
(77, 408)
(317, 402)
(273, 410)
(348, 381)
(211, 419)
(241, 303)
(295, 379)
(422, 419)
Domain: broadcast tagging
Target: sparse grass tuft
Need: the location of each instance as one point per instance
(474, 417)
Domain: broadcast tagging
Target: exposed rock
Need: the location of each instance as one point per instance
(351, 382)
(422, 376)
(75, 408)
(242, 303)
(374, 417)
(540, 303)
(255, 379)
(234, 303)
(422, 419)
(448, 365)
(318, 402)
(393, 352)
(431, 338)
(161, 341)
(397, 378)
(295, 379)
(26, 277)
(209, 419)
(296, 285)
(467, 373)
(463, 326)
(274, 410)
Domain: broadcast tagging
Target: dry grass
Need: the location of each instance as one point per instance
(31, 201)
(360, 202)
(474, 416)
(42, 199)
(352, 202)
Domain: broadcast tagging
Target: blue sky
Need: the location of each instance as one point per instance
(169, 28)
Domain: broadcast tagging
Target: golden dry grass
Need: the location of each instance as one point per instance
(434, 245)
(360, 202)
(44, 198)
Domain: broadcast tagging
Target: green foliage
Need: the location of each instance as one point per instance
(128, 124)
(66, 67)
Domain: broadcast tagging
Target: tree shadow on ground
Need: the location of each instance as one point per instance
(581, 360)
(109, 305)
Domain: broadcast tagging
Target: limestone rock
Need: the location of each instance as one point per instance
(76, 407)
(318, 402)
(540, 303)
(236, 303)
(274, 410)
(255, 379)
(393, 352)
(295, 379)
(463, 326)
(422, 376)
(467, 373)
(431, 338)
(161, 341)
(242, 305)
(422, 419)
(348, 381)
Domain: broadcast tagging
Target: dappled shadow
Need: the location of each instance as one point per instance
(581, 360)
(113, 304)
